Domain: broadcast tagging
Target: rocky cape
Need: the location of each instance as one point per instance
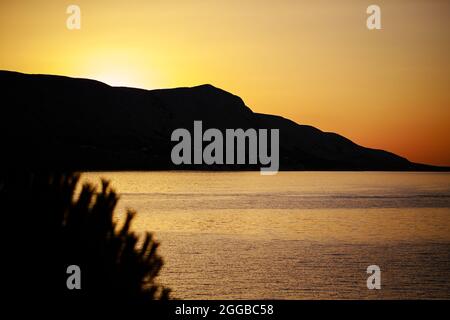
(56, 122)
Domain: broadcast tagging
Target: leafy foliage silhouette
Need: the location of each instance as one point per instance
(60, 227)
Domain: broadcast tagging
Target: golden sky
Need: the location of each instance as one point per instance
(312, 61)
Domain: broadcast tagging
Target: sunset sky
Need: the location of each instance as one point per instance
(313, 61)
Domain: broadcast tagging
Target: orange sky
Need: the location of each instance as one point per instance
(313, 61)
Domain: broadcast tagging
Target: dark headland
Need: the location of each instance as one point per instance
(55, 122)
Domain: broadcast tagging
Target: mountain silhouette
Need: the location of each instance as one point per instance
(56, 122)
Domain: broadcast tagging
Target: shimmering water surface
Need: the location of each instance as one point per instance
(294, 235)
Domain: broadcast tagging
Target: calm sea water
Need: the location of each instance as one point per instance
(295, 235)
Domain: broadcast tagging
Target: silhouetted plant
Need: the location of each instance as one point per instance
(55, 228)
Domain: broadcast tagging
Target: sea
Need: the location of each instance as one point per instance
(293, 235)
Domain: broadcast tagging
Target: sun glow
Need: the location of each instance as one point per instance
(119, 68)
(117, 78)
